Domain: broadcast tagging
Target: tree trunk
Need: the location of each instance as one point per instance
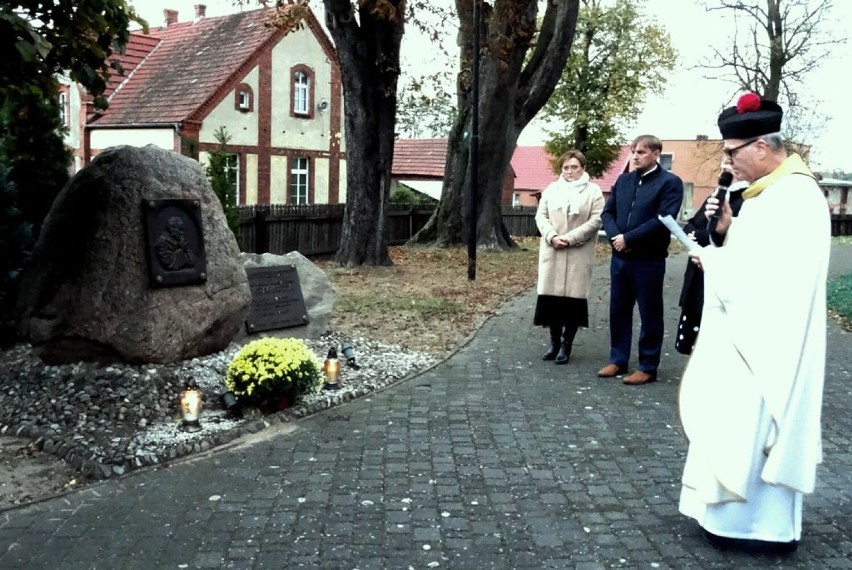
(368, 50)
(510, 96)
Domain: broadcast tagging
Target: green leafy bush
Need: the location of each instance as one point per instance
(268, 369)
(839, 297)
(16, 243)
(222, 175)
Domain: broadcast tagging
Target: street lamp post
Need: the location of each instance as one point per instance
(474, 149)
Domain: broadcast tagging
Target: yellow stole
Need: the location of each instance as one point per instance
(793, 164)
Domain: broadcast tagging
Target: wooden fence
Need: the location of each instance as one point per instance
(841, 224)
(316, 230)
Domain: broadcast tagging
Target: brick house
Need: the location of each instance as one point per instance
(418, 164)
(695, 161)
(278, 95)
(533, 168)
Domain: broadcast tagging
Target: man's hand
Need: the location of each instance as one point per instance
(618, 243)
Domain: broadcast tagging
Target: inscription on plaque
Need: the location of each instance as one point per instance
(175, 242)
(276, 299)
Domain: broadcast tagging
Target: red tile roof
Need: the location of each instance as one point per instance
(533, 168)
(533, 171)
(138, 47)
(616, 168)
(419, 157)
(186, 67)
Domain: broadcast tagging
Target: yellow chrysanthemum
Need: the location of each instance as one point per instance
(272, 367)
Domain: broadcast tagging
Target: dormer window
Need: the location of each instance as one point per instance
(302, 91)
(244, 98)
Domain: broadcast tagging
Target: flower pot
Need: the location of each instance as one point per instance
(273, 405)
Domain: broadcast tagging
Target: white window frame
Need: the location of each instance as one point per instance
(516, 199)
(232, 168)
(63, 107)
(301, 93)
(245, 101)
(298, 189)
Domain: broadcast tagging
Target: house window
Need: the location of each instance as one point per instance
(232, 171)
(299, 180)
(244, 98)
(302, 90)
(63, 108)
(666, 161)
(516, 200)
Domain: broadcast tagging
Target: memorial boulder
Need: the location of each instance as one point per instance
(316, 292)
(135, 264)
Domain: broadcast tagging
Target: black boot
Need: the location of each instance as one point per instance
(564, 354)
(567, 343)
(555, 341)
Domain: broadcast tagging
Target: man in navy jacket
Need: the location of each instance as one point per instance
(640, 245)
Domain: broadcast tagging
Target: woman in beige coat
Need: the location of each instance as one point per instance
(568, 218)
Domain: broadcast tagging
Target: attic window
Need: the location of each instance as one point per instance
(244, 98)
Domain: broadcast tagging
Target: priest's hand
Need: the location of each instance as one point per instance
(725, 215)
(695, 256)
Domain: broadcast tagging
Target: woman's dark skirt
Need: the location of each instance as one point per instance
(552, 311)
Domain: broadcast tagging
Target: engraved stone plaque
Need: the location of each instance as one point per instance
(175, 242)
(276, 299)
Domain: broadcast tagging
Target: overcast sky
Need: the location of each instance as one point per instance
(690, 104)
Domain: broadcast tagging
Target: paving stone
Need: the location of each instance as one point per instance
(505, 461)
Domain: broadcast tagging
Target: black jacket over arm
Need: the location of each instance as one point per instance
(632, 210)
(692, 293)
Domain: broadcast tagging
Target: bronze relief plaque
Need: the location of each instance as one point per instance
(276, 299)
(175, 242)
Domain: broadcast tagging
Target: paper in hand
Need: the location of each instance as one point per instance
(677, 232)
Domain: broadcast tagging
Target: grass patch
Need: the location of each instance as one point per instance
(360, 304)
(839, 300)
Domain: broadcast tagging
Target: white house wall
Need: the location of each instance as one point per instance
(296, 48)
(240, 125)
(251, 179)
(104, 138)
(278, 187)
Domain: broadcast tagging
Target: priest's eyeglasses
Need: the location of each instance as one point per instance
(731, 152)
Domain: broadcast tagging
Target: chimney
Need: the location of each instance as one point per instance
(171, 16)
(701, 137)
(200, 11)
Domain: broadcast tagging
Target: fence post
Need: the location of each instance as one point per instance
(261, 235)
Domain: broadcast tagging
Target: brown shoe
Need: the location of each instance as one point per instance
(638, 378)
(610, 370)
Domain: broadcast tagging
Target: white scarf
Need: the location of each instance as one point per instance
(571, 190)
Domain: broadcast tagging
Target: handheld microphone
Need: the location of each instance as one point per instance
(721, 193)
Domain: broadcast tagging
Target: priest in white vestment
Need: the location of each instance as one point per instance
(751, 395)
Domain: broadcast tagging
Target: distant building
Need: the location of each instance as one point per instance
(278, 95)
(837, 194)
